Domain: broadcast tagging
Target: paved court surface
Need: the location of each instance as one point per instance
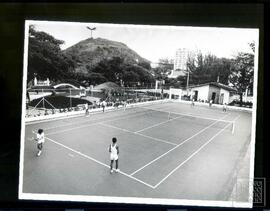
(165, 152)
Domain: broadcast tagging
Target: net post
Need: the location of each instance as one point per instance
(43, 100)
(233, 125)
(70, 103)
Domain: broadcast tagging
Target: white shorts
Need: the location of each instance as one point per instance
(113, 157)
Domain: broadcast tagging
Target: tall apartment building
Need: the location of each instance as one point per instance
(180, 62)
(181, 57)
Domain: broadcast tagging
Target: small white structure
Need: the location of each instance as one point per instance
(65, 85)
(41, 83)
(217, 92)
(175, 94)
(176, 73)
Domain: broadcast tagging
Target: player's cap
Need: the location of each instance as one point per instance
(114, 140)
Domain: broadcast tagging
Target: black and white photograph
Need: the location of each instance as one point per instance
(139, 114)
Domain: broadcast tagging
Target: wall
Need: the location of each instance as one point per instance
(34, 95)
(233, 108)
(226, 96)
(217, 91)
(82, 112)
(203, 92)
(177, 92)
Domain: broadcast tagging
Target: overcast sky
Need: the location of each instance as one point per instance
(155, 42)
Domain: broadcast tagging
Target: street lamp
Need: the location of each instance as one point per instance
(91, 29)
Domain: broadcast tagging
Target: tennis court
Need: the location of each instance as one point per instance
(167, 150)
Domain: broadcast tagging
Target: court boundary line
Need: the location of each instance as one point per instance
(82, 122)
(99, 162)
(194, 153)
(87, 125)
(98, 111)
(135, 133)
(190, 115)
(177, 146)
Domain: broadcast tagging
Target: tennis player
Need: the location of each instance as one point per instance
(114, 152)
(224, 107)
(103, 104)
(86, 109)
(40, 141)
(125, 105)
(192, 102)
(210, 103)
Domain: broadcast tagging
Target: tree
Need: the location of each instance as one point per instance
(163, 69)
(117, 71)
(145, 76)
(111, 69)
(207, 68)
(145, 65)
(95, 78)
(45, 58)
(130, 78)
(243, 71)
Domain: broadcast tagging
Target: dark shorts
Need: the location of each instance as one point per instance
(39, 146)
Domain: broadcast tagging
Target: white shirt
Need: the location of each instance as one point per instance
(114, 149)
(40, 138)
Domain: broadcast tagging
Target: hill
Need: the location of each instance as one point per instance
(88, 53)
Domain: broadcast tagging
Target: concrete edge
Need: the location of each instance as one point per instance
(249, 110)
(81, 113)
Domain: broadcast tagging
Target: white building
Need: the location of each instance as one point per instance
(181, 58)
(42, 83)
(217, 92)
(180, 62)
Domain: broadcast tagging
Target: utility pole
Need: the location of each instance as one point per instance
(91, 29)
(187, 81)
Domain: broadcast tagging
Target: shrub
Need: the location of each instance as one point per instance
(244, 104)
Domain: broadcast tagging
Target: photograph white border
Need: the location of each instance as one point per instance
(134, 200)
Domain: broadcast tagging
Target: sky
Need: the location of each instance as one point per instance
(156, 42)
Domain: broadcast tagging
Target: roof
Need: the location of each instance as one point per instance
(41, 87)
(107, 85)
(216, 84)
(176, 73)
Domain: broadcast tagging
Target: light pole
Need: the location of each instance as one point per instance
(187, 81)
(91, 29)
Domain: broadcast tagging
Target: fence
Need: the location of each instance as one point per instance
(51, 101)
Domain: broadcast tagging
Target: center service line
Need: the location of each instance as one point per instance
(177, 146)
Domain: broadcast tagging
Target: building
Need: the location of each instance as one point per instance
(180, 62)
(181, 58)
(215, 91)
(42, 83)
